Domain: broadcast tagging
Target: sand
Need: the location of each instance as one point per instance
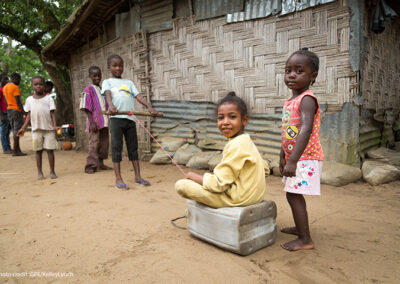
(80, 227)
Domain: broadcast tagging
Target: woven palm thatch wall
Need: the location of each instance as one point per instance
(202, 61)
(133, 49)
(381, 71)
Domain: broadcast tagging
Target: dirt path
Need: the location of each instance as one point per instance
(78, 223)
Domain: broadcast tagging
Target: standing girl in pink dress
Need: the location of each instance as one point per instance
(301, 153)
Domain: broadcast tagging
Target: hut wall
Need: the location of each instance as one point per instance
(197, 63)
(203, 60)
(381, 70)
(133, 49)
(380, 86)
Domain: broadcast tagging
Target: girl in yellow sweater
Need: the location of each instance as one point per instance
(239, 179)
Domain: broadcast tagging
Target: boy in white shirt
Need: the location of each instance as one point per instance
(121, 94)
(40, 109)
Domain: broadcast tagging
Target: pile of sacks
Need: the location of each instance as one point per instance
(186, 154)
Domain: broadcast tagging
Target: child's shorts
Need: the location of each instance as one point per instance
(44, 139)
(307, 180)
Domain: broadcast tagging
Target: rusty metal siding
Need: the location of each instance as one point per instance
(206, 9)
(196, 122)
(254, 9)
(339, 135)
(156, 15)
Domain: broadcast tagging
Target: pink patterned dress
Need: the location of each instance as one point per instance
(309, 166)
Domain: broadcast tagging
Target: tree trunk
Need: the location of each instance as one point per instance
(64, 106)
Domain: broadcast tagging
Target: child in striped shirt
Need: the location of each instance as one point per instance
(93, 103)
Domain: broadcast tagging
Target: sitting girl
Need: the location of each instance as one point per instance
(239, 179)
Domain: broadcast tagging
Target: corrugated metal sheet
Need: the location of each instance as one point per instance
(339, 135)
(156, 15)
(127, 23)
(205, 9)
(254, 9)
(374, 134)
(196, 122)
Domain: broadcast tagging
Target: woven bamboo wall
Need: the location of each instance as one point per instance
(133, 49)
(381, 71)
(202, 61)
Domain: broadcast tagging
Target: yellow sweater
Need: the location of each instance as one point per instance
(240, 175)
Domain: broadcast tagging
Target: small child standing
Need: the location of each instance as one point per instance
(301, 153)
(40, 109)
(48, 87)
(93, 103)
(120, 95)
(239, 179)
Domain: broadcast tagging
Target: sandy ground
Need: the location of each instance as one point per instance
(78, 223)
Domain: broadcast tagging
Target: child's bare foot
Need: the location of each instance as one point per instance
(298, 244)
(53, 175)
(40, 176)
(290, 230)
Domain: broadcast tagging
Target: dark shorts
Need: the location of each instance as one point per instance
(16, 119)
(119, 128)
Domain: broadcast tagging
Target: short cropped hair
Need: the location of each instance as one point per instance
(113, 56)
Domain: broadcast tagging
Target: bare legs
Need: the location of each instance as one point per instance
(16, 148)
(117, 170)
(50, 155)
(300, 216)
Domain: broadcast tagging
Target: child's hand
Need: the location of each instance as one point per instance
(189, 175)
(93, 127)
(290, 169)
(153, 111)
(20, 133)
(112, 110)
(194, 177)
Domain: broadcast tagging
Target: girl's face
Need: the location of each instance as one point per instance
(230, 121)
(116, 67)
(38, 86)
(95, 76)
(298, 73)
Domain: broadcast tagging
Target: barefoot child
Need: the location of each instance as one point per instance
(239, 179)
(120, 95)
(301, 153)
(40, 109)
(93, 103)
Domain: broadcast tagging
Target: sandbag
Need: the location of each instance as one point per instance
(337, 174)
(172, 144)
(200, 160)
(376, 173)
(184, 153)
(160, 157)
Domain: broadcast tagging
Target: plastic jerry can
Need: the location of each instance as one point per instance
(242, 230)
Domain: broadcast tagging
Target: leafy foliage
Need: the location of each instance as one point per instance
(34, 23)
(25, 62)
(37, 21)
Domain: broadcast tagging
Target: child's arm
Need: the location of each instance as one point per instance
(308, 108)
(19, 104)
(141, 100)
(23, 128)
(111, 108)
(282, 161)
(195, 177)
(53, 119)
(92, 125)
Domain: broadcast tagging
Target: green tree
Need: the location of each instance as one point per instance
(34, 23)
(22, 60)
